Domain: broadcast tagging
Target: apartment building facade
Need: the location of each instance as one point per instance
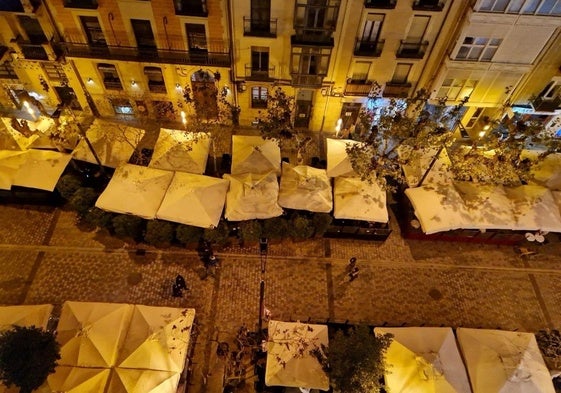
(503, 55)
(144, 58)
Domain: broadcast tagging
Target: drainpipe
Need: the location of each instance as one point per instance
(229, 13)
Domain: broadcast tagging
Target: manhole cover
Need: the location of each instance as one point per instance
(435, 294)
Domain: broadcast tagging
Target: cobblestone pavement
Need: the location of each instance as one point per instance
(47, 257)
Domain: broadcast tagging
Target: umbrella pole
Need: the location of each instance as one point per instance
(261, 297)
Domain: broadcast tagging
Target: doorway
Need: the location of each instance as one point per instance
(303, 108)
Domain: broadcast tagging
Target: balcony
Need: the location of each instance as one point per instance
(265, 75)
(360, 88)
(7, 72)
(397, 90)
(369, 48)
(302, 80)
(541, 104)
(191, 8)
(412, 50)
(259, 28)
(112, 84)
(258, 103)
(428, 5)
(19, 5)
(83, 4)
(313, 38)
(385, 4)
(124, 53)
(157, 87)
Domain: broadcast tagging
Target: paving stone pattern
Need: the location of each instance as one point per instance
(47, 257)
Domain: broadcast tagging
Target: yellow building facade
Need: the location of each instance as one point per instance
(139, 58)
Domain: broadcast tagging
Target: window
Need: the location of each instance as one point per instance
(540, 7)
(93, 31)
(7, 71)
(551, 91)
(372, 27)
(310, 61)
(155, 78)
(54, 72)
(474, 117)
(316, 14)
(360, 72)
(260, 15)
(196, 37)
(259, 59)
(110, 76)
(143, 34)
(417, 29)
(478, 48)
(32, 29)
(259, 97)
(401, 73)
(456, 89)
(122, 106)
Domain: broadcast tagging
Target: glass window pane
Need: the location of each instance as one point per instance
(463, 52)
(475, 53)
(481, 41)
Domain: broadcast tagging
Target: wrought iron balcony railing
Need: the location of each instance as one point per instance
(259, 74)
(428, 5)
(369, 48)
(124, 53)
(157, 87)
(258, 103)
(387, 4)
(412, 50)
(259, 28)
(112, 84)
(85, 4)
(397, 90)
(361, 88)
(303, 80)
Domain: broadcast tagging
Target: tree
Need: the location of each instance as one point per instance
(406, 130)
(357, 360)
(277, 123)
(217, 123)
(27, 356)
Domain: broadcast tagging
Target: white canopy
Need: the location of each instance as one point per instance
(338, 162)
(306, 188)
(254, 154)
(12, 139)
(194, 200)
(487, 206)
(534, 208)
(424, 359)
(113, 143)
(289, 361)
(359, 200)
(90, 334)
(78, 380)
(25, 315)
(10, 162)
(135, 189)
(504, 362)
(252, 196)
(142, 381)
(41, 169)
(418, 162)
(178, 150)
(157, 338)
(545, 172)
(439, 208)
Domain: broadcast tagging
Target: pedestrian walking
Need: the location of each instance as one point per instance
(354, 273)
(210, 266)
(352, 264)
(180, 282)
(176, 290)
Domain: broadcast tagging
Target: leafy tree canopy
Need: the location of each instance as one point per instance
(27, 356)
(357, 360)
(405, 130)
